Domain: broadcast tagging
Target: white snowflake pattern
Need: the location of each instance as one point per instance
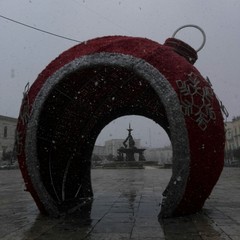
(196, 101)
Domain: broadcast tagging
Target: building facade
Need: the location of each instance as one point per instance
(232, 137)
(160, 155)
(7, 134)
(99, 151)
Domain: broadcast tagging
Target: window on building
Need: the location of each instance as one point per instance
(5, 132)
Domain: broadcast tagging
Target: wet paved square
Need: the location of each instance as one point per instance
(125, 206)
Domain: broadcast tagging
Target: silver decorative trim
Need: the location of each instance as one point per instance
(194, 26)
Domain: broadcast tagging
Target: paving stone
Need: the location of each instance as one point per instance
(108, 236)
(125, 206)
(185, 236)
(114, 227)
(146, 221)
(147, 231)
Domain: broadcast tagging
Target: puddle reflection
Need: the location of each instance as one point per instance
(76, 225)
(129, 216)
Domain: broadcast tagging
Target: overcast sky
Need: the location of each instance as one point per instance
(25, 52)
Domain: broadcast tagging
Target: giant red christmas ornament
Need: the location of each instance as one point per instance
(97, 81)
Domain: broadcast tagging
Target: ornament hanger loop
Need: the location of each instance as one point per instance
(194, 26)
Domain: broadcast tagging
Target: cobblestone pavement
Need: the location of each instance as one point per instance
(125, 206)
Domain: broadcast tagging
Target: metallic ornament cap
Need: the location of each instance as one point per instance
(183, 49)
